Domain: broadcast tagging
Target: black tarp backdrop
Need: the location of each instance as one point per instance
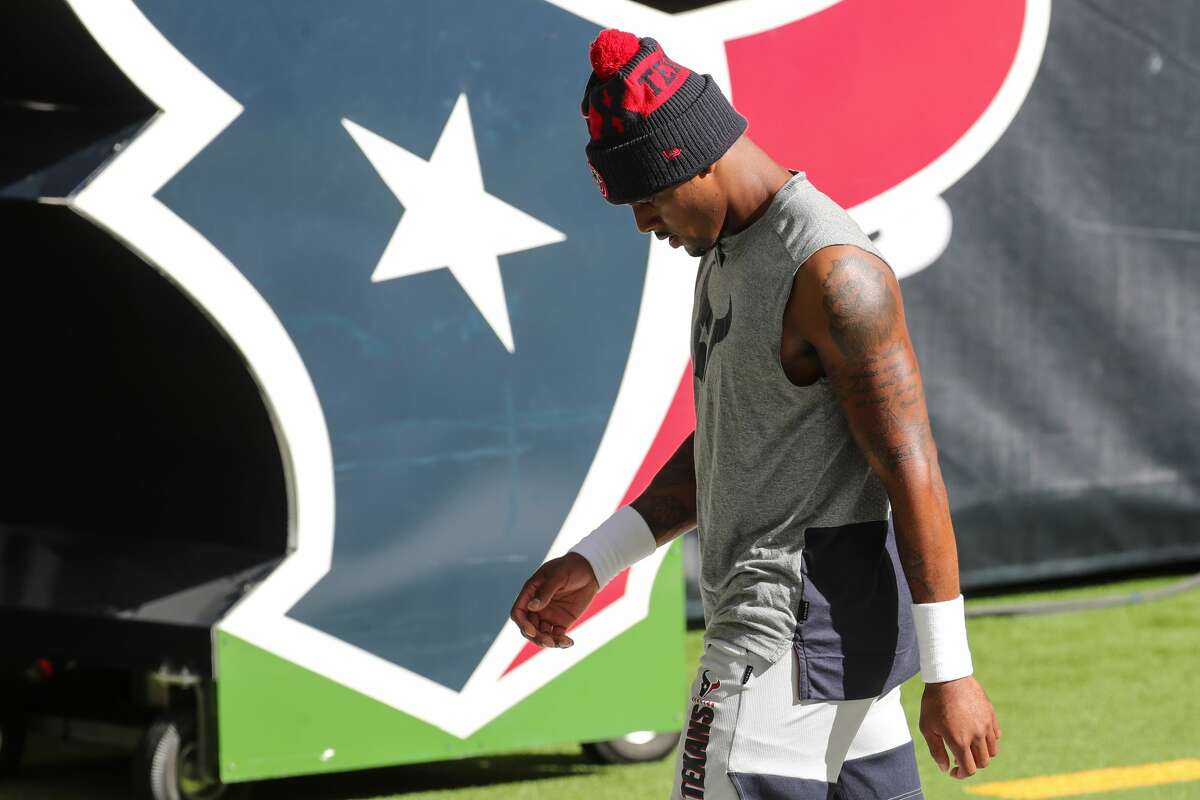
(1059, 334)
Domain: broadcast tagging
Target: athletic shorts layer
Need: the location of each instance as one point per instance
(797, 547)
(749, 736)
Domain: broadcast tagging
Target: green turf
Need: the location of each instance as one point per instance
(1073, 691)
(1089, 689)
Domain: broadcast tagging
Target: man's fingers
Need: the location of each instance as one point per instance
(530, 625)
(548, 589)
(964, 761)
(937, 749)
(527, 628)
(539, 631)
(556, 633)
(993, 746)
(538, 638)
(559, 633)
(979, 750)
(518, 613)
(538, 621)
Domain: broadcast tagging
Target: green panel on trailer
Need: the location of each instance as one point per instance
(277, 719)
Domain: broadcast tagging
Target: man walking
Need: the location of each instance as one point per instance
(829, 572)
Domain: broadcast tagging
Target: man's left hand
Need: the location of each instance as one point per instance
(957, 714)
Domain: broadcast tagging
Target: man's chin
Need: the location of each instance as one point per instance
(697, 251)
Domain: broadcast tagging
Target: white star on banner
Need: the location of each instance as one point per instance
(449, 219)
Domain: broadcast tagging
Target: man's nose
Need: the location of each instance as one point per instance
(644, 218)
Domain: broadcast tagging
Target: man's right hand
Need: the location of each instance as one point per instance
(553, 598)
(958, 714)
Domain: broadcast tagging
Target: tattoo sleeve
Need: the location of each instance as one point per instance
(877, 371)
(866, 353)
(669, 503)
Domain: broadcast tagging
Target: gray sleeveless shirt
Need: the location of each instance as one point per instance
(796, 544)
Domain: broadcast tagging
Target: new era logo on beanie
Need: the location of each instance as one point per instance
(652, 123)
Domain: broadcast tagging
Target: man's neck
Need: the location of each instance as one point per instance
(752, 191)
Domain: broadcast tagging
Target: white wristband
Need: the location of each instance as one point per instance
(942, 640)
(621, 540)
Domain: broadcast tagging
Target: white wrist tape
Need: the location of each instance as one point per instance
(942, 640)
(619, 542)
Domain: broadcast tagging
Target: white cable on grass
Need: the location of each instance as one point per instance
(1188, 584)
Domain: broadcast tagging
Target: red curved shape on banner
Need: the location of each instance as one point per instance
(866, 93)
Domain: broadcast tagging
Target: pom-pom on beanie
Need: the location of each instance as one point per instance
(652, 123)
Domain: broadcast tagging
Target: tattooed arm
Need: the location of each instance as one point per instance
(669, 503)
(846, 304)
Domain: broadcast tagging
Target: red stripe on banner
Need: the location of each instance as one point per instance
(679, 422)
(866, 93)
(676, 426)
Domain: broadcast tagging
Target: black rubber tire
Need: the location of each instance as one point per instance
(12, 743)
(631, 749)
(161, 761)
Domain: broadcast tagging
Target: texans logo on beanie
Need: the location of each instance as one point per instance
(652, 123)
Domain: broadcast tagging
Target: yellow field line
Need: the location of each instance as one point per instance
(1093, 780)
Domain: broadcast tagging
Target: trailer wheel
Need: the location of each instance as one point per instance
(632, 748)
(12, 743)
(165, 766)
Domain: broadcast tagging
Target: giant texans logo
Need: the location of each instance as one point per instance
(471, 358)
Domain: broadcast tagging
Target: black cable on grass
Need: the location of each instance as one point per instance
(1084, 604)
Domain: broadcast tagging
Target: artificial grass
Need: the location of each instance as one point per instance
(1074, 691)
(1085, 690)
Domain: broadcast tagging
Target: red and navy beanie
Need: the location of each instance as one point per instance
(653, 123)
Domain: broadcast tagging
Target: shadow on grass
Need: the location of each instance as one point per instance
(81, 772)
(462, 774)
(58, 772)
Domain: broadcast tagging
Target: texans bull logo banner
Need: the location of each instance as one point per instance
(469, 357)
